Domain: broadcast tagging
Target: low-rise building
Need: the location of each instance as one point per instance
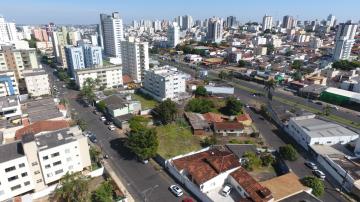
(8, 84)
(165, 83)
(228, 128)
(109, 76)
(118, 106)
(309, 130)
(37, 83)
(10, 107)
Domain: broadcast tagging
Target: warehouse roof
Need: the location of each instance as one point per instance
(355, 97)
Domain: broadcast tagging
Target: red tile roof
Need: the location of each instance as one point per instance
(41, 126)
(243, 117)
(256, 192)
(213, 117)
(127, 79)
(228, 126)
(204, 166)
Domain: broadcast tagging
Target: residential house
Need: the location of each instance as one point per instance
(118, 106)
(228, 128)
(244, 119)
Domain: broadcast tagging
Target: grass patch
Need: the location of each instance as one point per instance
(175, 139)
(146, 101)
(109, 92)
(106, 63)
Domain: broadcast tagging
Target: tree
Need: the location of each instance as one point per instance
(88, 89)
(143, 143)
(269, 87)
(138, 123)
(315, 184)
(82, 124)
(199, 105)
(104, 193)
(297, 64)
(288, 152)
(289, 53)
(297, 76)
(166, 111)
(252, 161)
(270, 49)
(267, 159)
(209, 141)
(223, 75)
(201, 91)
(101, 106)
(72, 187)
(346, 65)
(242, 63)
(94, 154)
(232, 106)
(326, 110)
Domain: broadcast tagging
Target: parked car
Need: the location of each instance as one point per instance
(96, 112)
(176, 190)
(108, 122)
(319, 174)
(93, 138)
(226, 190)
(112, 127)
(334, 108)
(102, 118)
(86, 133)
(311, 165)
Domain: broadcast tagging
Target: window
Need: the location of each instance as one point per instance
(55, 154)
(10, 169)
(15, 187)
(71, 167)
(67, 151)
(34, 163)
(13, 178)
(24, 174)
(58, 171)
(26, 183)
(47, 166)
(68, 159)
(45, 157)
(49, 175)
(36, 172)
(57, 163)
(21, 165)
(39, 180)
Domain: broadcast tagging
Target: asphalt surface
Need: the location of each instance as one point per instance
(143, 181)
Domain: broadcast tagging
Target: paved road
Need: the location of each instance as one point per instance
(143, 181)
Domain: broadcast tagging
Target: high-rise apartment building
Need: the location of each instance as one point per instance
(215, 30)
(289, 22)
(75, 58)
(92, 55)
(331, 20)
(8, 31)
(40, 34)
(173, 35)
(111, 28)
(59, 41)
(231, 21)
(135, 58)
(267, 22)
(187, 22)
(344, 40)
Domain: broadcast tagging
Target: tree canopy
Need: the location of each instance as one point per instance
(346, 65)
(252, 161)
(315, 183)
(104, 193)
(297, 64)
(199, 105)
(74, 187)
(201, 91)
(232, 106)
(138, 123)
(166, 111)
(88, 89)
(288, 152)
(144, 143)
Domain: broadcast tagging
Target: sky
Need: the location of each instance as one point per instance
(87, 11)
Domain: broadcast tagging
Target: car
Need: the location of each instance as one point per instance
(176, 190)
(311, 165)
(108, 123)
(334, 108)
(102, 118)
(319, 174)
(87, 133)
(93, 138)
(106, 156)
(112, 127)
(261, 118)
(226, 190)
(319, 103)
(96, 112)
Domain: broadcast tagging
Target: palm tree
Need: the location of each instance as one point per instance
(269, 87)
(326, 110)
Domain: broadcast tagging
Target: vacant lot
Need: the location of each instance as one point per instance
(146, 101)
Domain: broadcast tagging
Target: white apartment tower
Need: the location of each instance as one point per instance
(173, 35)
(7, 31)
(331, 20)
(215, 30)
(289, 22)
(135, 58)
(187, 22)
(111, 28)
(267, 22)
(344, 40)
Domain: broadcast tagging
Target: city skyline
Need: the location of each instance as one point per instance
(87, 12)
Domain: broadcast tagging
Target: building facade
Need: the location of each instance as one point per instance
(110, 76)
(111, 28)
(173, 35)
(92, 56)
(267, 22)
(8, 84)
(215, 30)
(344, 40)
(75, 58)
(37, 83)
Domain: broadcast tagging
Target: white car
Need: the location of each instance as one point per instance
(226, 190)
(112, 127)
(319, 174)
(176, 190)
(103, 118)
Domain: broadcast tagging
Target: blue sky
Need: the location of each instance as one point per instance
(87, 11)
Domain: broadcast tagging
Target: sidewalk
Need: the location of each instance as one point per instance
(117, 180)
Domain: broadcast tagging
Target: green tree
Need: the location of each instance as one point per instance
(346, 65)
(252, 161)
(138, 123)
(297, 76)
(267, 159)
(94, 154)
(315, 184)
(166, 111)
(269, 88)
(288, 152)
(327, 110)
(72, 188)
(101, 106)
(297, 64)
(104, 193)
(89, 86)
(143, 143)
(232, 106)
(289, 53)
(199, 105)
(201, 91)
(270, 49)
(242, 63)
(223, 75)
(82, 124)
(209, 141)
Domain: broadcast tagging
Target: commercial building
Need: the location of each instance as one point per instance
(35, 162)
(340, 96)
(135, 58)
(331, 20)
(267, 22)
(173, 35)
(37, 83)
(164, 82)
(309, 130)
(10, 106)
(111, 28)
(8, 84)
(75, 58)
(344, 40)
(110, 76)
(215, 30)
(92, 55)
